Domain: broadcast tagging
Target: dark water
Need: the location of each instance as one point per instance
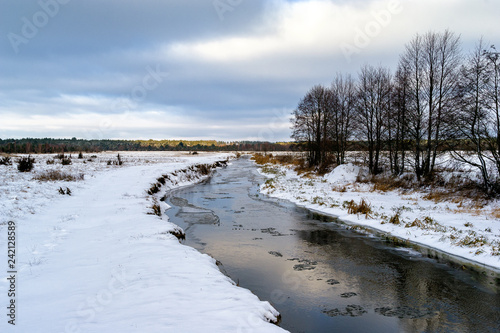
(319, 276)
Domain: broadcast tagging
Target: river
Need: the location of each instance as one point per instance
(320, 276)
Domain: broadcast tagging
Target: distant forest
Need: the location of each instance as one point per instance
(47, 145)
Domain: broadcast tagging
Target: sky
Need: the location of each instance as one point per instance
(199, 69)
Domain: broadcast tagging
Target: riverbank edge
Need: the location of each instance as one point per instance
(483, 273)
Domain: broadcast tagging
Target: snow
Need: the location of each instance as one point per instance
(97, 261)
(343, 174)
(472, 234)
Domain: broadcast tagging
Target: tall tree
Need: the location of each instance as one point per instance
(472, 122)
(398, 120)
(432, 61)
(310, 123)
(374, 91)
(343, 91)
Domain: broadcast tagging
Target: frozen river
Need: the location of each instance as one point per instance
(318, 275)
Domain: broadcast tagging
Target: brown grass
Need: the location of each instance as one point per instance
(395, 219)
(389, 183)
(155, 188)
(362, 208)
(298, 163)
(156, 208)
(57, 175)
(495, 213)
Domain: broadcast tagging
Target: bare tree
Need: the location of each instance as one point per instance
(412, 62)
(449, 59)
(472, 121)
(432, 61)
(343, 91)
(493, 104)
(398, 136)
(373, 105)
(311, 122)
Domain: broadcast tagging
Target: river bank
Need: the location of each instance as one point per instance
(95, 258)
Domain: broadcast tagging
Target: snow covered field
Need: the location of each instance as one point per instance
(98, 261)
(473, 234)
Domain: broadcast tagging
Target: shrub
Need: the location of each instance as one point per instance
(50, 162)
(25, 164)
(6, 160)
(66, 161)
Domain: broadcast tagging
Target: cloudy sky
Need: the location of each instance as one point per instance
(198, 69)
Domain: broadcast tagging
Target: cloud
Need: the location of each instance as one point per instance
(226, 74)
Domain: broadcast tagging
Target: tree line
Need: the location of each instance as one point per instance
(437, 100)
(49, 145)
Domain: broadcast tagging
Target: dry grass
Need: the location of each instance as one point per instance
(389, 183)
(427, 223)
(57, 175)
(395, 219)
(495, 213)
(340, 189)
(298, 163)
(363, 208)
(5, 160)
(155, 188)
(204, 169)
(156, 208)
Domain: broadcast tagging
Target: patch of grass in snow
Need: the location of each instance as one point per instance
(340, 189)
(58, 175)
(363, 207)
(269, 184)
(298, 162)
(177, 233)
(472, 240)
(396, 218)
(155, 188)
(427, 223)
(318, 201)
(156, 208)
(385, 183)
(272, 170)
(495, 213)
(5, 160)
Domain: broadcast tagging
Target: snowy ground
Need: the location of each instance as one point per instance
(96, 261)
(473, 234)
